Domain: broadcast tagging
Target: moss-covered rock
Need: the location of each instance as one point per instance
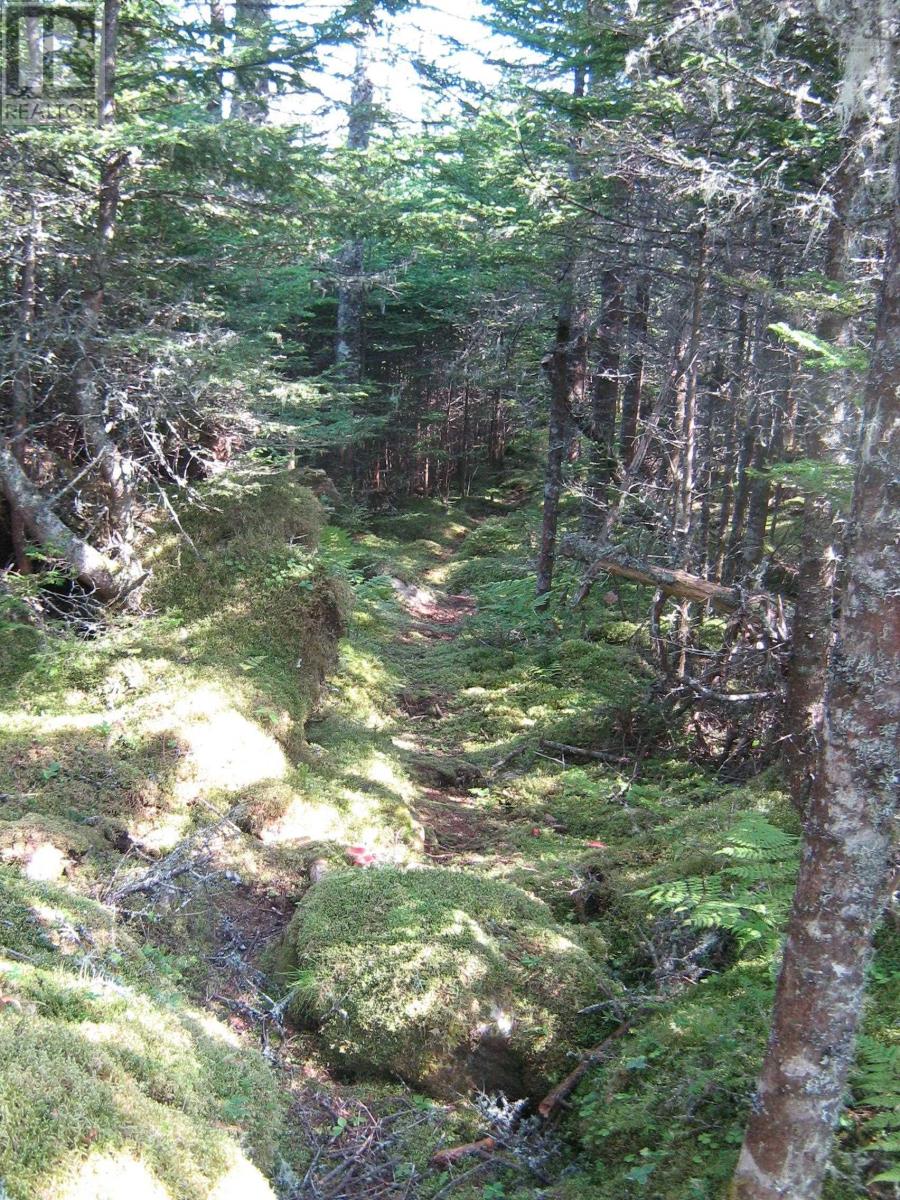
(111, 1085)
(446, 980)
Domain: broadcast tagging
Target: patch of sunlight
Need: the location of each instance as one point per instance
(215, 1029)
(421, 1006)
(438, 575)
(502, 1020)
(381, 770)
(404, 743)
(464, 924)
(303, 821)
(110, 1176)
(355, 700)
(22, 722)
(242, 1181)
(46, 863)
(557, 941)
(223, 748)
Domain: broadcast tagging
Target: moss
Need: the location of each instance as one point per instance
(493, 538)
(617, 633)
(99, 1062)
(412, 973)
(667, 1113)
(245, 515)
(423, 520)
(48, 846)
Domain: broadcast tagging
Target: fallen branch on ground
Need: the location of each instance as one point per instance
(443, 1158)
(189, 854)
(613, 760)
(564, 1089)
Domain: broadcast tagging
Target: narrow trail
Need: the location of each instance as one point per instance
(454, 825)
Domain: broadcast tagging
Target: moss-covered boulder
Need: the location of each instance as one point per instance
(443, 979)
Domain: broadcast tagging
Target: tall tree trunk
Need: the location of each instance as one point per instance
(633, 387)
(252, 73)
(841, 887)
(21, 381)
(815, 577)
(349, 341)
(558, 368)
(560, 364)
(604, 401)
(116, 467)
(687, 414)
(215, 106)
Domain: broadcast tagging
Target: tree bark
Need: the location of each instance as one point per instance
(841, 887)
(604, 400)
(215, 106)
(560, 366)
(116, 467)
(349, 349)
(21, 381)
(108, 578)
(251, 70)
(558, 370)
(633, 387)
(816, 574)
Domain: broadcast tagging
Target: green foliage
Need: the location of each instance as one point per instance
(876, 1089)
(816, 476)
(823, 355)
(749, 896)
(666, 1117)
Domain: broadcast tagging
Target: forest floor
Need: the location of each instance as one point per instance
(169, 800)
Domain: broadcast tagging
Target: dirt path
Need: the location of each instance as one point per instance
(454, 825)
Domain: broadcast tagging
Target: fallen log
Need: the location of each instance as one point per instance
(109, 578)
(613, 560)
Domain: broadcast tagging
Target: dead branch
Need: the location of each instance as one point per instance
(564, 1089)
(186, 856)
(443, 1158)
(613, 760)
(614, 560)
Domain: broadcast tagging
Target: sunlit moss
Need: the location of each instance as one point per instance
(404, 971)
(96, 1059)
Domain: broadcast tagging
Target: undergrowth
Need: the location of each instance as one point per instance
(280, 678)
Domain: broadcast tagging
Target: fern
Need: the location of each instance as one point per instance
(876, 1088)
(750, 896)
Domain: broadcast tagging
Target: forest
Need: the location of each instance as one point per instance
(449, 563)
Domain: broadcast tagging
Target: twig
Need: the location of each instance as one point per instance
(454, 1183)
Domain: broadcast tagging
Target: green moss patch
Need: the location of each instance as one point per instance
(105, 1075)
(443, 979)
